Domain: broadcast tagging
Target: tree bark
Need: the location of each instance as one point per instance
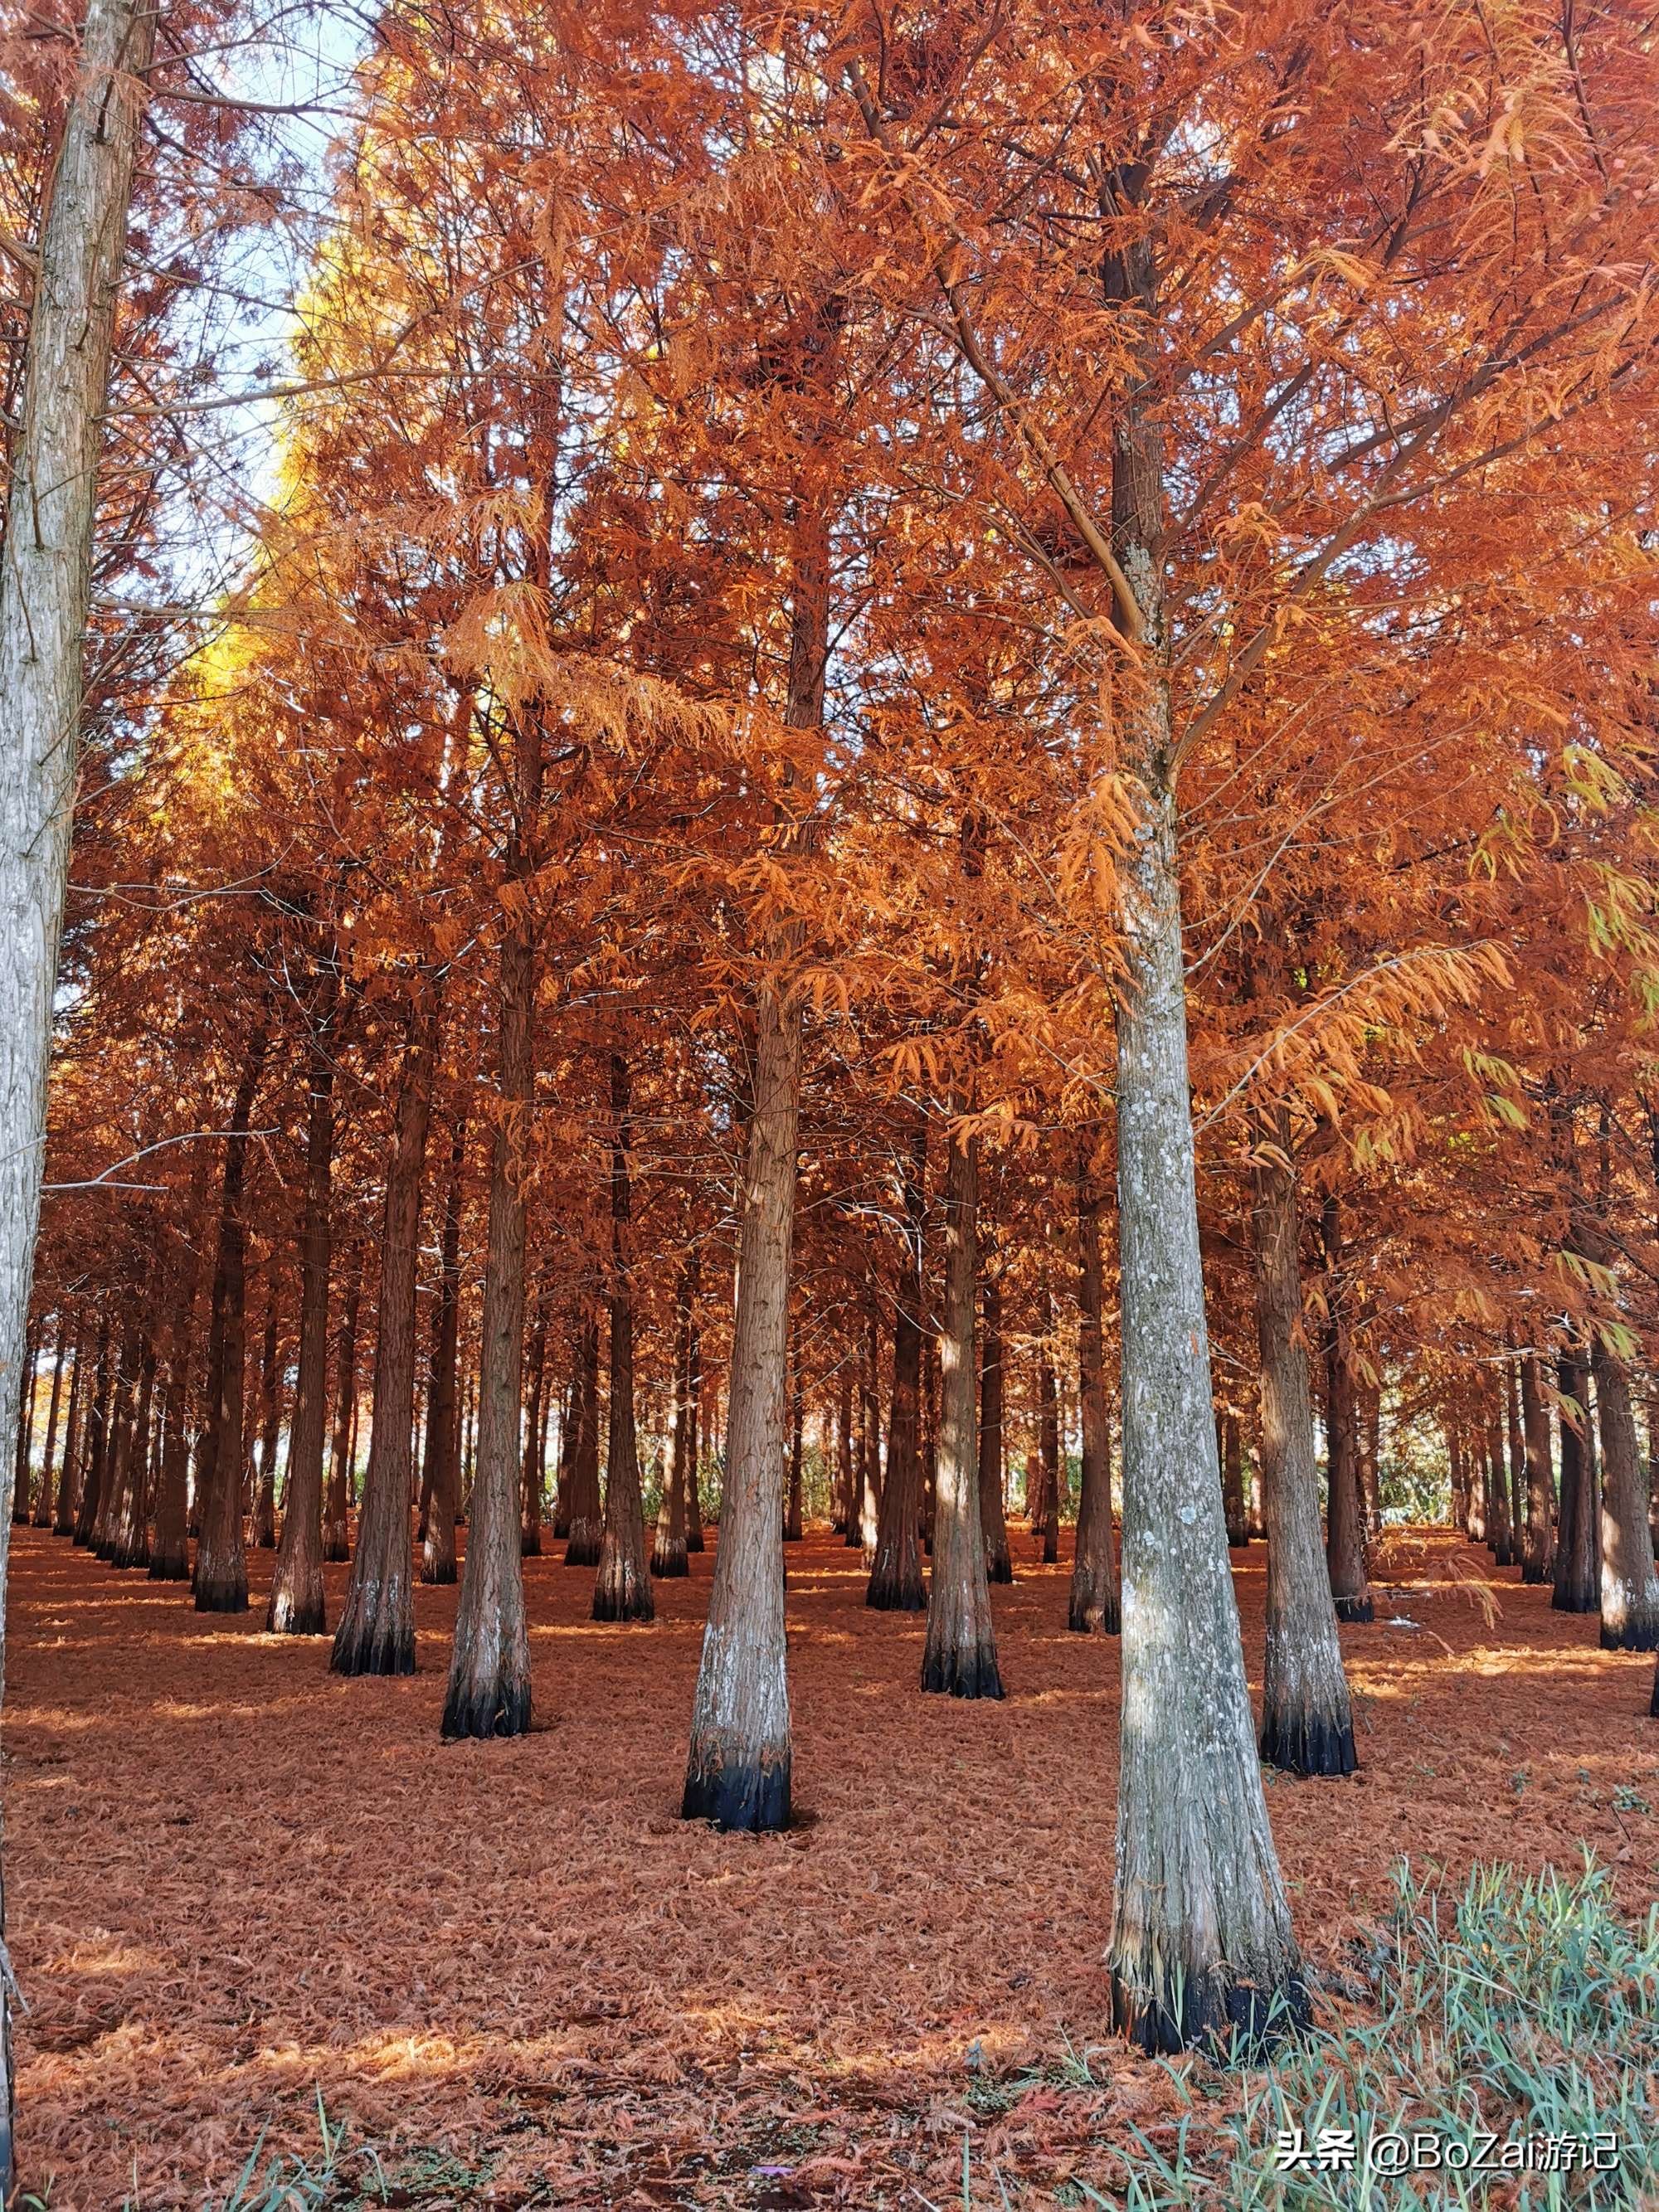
(694, 1538)
(98, 1410)
(1232, 1483)
(1577, 1563)
(668, 1556)
(264, 1488)
(959, 1657)
(1307, 1720)
(296, 1606)
(336, 1509)
(895, 1585)
(1630, 1588)
(621, 1589)
(1094, 1607)
(738, 1767)
(1345, 1542)
(791, 1509)
(488, 1691)
(62, 1519)
(1537, 1556)
(443, 1437)
(131, 1544)
(376, 1634)
(994, 1520)
(43, 1502)
(535, 1471)
(1045, 1520)
(587, 1513)
(220, 1578)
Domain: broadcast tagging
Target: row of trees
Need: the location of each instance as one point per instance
(913, 679)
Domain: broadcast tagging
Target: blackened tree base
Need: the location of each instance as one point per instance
(751, 1799)
(669, 1563)
(1307, 1744)
(1533, 1573)
(962, 1674)
(336, 1550)
(170, 1566)
(694, 1541)
(1354, 1609)
(304, 1618)
(1095, 1616)
(582, 1551)
(229, 1596)
(1640, 1634)
(500, 1709)
(1576, 1595)
(373, 1648)
(441, 1571)
(1000, 1569)
(530, 1544)
(1210, 2012)
(624, 1597)
(896, 1594)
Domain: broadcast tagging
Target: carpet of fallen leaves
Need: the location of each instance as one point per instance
(232, 1879)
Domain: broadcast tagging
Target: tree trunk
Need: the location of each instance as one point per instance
(43, 1502)
(221, 1579)
(1578, 1577)
(1045, 1521)
(295, 1607)
(621, 1589)
(960, 1655)
(694, 1538)
(587, 1515)
(1537, 1556)
(867, 1525)
(265, 1489)
(1630, 1588)
(1345, 1542)
(1498, 1481)
(376, 1634)
(1515, 1454)
(895, 1585)
(994, 1520)
(791, 1510)
(668, 1557)
(1232, 1483)
(488, 1691)
(1094, 1600)
(131, 1546)
(44, 592)
(62, 1519)
(118, 1469)
(1307, 1720)
(98, 1408)
(443, 1438)
(25, 1437)
(335, 1521)
(535, 1470)
(738, 1772)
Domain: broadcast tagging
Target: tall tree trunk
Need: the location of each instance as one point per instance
(221, 1579)
(376, 1634)
(1516, 1456)
(62, 1519)
(295, 1607)
(1578, 1564)
(737, 1771)
(265, 1489)
(587, 1513)
(791, 1510)
(44, 592)
(443, 1437)
(336, 1508)
(1630, 1588)
(694, 1538)
(895, 1585)
(1045, 1520)
(994, 1520)
(668, 1556)
(535, 1470)
(1094, 1600)
(1232, 1483)
(1307, 1720)
(97, 1406)
(131, 1544)
(1344, 1540)
(43, 1502)
(1536, 1559)
(621, 1589)
(1498, 1484)
(488, 1691)
(112, 1497)
(25, 1438)
(868, 1525)
(960, 1655)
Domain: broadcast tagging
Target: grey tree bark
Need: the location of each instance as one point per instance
(994, 1519)
(586, 1512)
(896, 1584)
(443, 1435)
(1537, 1556)
(959, 1657)
(1630, 1588)
(621, 1589)
(1307, 1720)
(1094, 1607)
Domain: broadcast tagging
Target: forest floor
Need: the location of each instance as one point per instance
(233, 1879)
